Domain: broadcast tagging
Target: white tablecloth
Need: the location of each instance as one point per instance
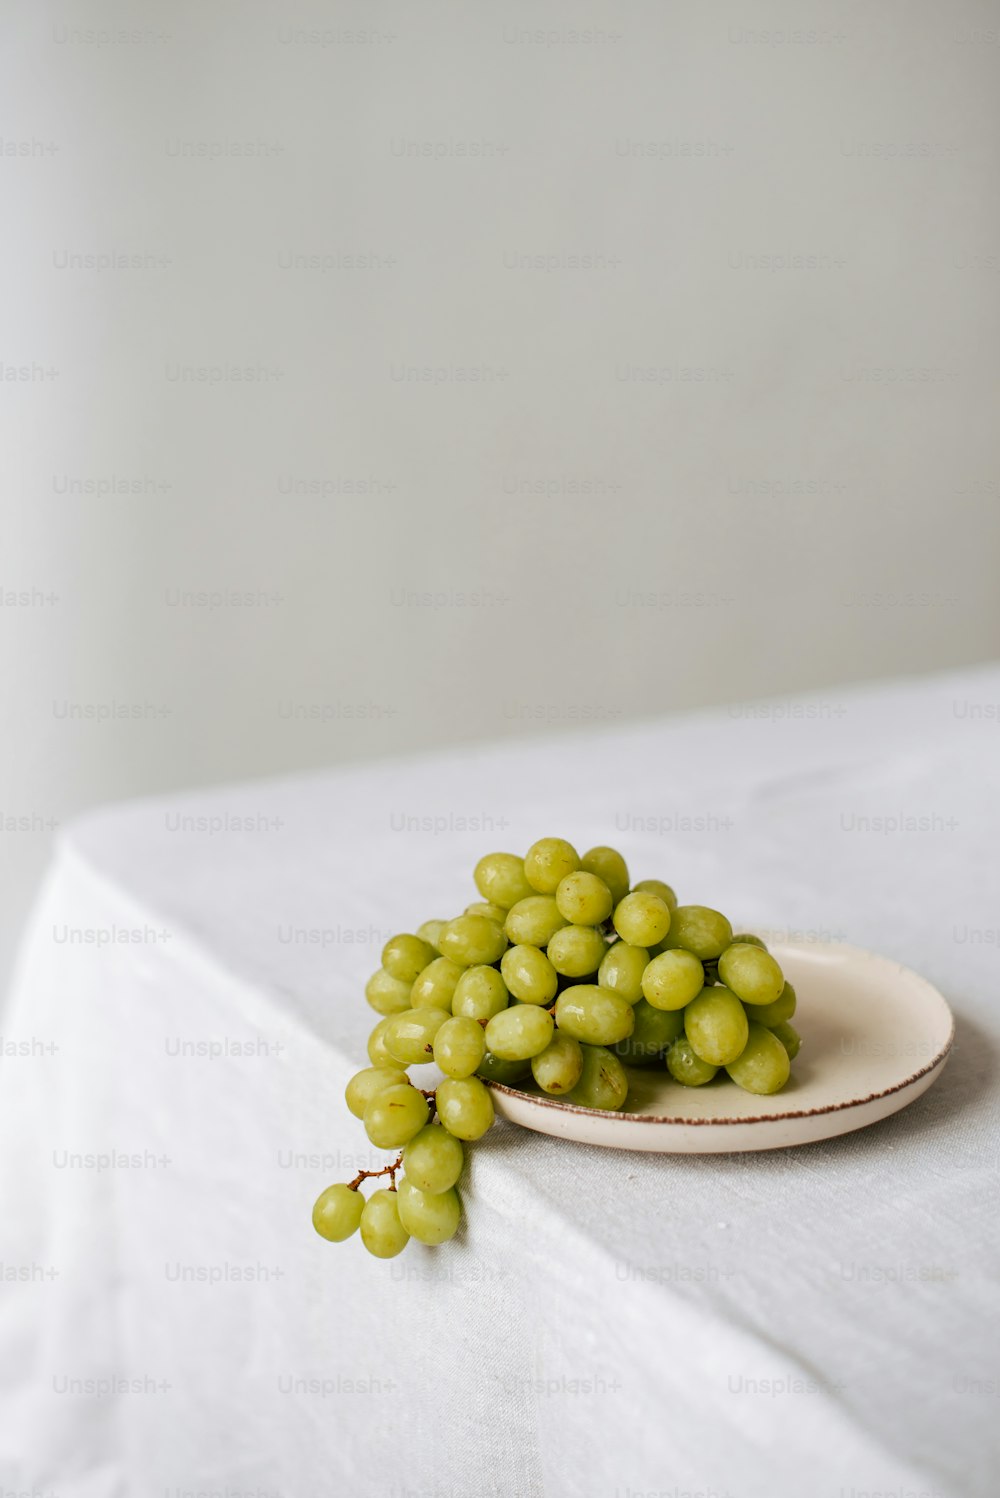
(816, 1323)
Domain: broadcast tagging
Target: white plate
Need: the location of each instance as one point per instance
(874, 1037)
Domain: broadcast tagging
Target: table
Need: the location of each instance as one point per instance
(816, 1323)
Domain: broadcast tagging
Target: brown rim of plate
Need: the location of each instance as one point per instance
(660, 1118)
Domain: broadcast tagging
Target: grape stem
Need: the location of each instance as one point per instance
(431, 1097)
(387, 1170)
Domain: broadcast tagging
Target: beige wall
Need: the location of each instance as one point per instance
(738, 436)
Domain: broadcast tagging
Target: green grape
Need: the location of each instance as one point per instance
(365, 1085)
(529, 974)
(436, 985)
(495, 913)
(433, 1159)
(584, 899)
(603, 1081)
(576, 951)
(716, 1025)
(672, 980)
(557, 1069)
(642, 918)
(465, 1107)
(753, 975)
(777, 1013)
(520, 1032)
(655, 1029)
(534, 922)
(547, 863)
(429, 1216)
(410, 1036)
(657, 887)
(382, 1232)
(686, 1066)
(789, 1037)
(475, 994)
(378, 1052)
(700, 930)
(500, 879)
(609, 865)
(337, 1213)
(459, 1046)
(394, 1116)
(429, 932)
(386, 994)
(507, 1072)
(763, 1064)
(594, 1015)
(471, 940)
(621, 970)
(405, 957)
(480, 993)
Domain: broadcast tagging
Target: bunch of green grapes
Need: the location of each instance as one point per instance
(564, 972)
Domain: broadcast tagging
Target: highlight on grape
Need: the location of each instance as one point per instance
(563, 975)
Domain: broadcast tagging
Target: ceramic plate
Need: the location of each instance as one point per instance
(874, 1037)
